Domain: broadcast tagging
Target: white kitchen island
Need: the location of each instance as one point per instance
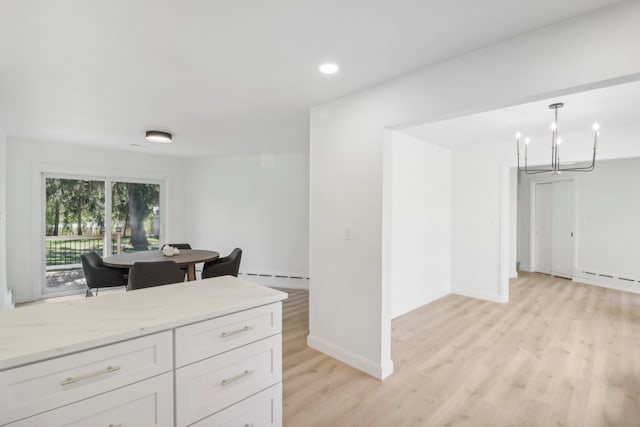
(203, 353)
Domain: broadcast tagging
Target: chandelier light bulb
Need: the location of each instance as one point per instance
(596, 127)
(559, 141)
(518, 135)
(527, 141)
(554, 126)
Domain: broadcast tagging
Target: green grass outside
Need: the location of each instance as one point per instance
(64, 252)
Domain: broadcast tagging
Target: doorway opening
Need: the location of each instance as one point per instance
(554, 228)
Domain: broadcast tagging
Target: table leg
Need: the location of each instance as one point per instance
(191, 272)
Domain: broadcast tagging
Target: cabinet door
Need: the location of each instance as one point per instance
(213, 384)
(209, 338)
(47, 385)
(148, 403)
(260, 410)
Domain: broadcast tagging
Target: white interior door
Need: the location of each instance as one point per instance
(543, 228)
(563, 218)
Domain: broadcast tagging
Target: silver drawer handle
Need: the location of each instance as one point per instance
(237, 331)
(237, 377)
(107, 370)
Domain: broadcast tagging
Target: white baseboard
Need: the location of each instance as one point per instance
(379, 371)
(489, 296)
(525, 268)
(7, 302)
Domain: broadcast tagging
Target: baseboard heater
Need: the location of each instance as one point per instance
(611, 276)
(277, 276)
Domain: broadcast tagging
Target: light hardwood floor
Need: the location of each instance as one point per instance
(558, 354)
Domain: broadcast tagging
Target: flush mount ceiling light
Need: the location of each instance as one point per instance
(328, 68)
(555, 168)
(158, 136)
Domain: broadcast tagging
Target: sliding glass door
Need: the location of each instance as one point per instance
(105, 215)
(74, 224)
(135, 217)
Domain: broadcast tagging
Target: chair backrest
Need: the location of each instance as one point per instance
(91, 260)
(227, 266)
(149, 274)
(178, 245)
(98, 275)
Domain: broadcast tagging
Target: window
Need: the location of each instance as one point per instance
(105, 215)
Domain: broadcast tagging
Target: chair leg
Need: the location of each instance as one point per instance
(88, 293)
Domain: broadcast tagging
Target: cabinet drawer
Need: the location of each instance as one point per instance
(39, 387)
(205, 339)
(147, 403)
(213, 384)
(260, 410)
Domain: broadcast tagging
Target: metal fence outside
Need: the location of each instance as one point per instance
(63, 264)
(66, 250)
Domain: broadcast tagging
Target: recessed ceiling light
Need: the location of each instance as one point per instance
(158, 136)
(328, 68)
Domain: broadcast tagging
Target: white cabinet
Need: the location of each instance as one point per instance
(213, 384)
(205, 339)
(227, 369)
(263, 409)
(38, 387)
(144, 404)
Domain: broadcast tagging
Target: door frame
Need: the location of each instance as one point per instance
(42, 171)
(532, 217)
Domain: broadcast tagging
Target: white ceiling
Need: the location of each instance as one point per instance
(226, 77)
(615, 108)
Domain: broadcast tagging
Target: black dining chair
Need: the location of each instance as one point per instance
(226, 266)
(98, 275)
(149, 274)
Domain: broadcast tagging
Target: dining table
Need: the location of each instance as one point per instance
(187, 257)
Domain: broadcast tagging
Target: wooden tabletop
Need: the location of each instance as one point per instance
(185, 257)
(188, 257)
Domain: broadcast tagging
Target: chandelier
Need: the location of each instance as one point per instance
(556, 167)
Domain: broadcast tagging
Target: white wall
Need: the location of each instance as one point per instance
(608, 219)
(257, 203)
(420, 221)
(25, 161)
(346, 157)
(4, 297)
(607, 227)
(476, 230)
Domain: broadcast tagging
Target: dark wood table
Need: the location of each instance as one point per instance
(186, 257)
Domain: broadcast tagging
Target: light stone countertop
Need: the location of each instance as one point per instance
(42, 331)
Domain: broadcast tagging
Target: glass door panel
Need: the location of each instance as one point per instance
(74, 224)
(135, 217)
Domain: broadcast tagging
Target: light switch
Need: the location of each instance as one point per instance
(348, 233)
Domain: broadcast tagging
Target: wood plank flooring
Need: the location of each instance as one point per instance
(558, 354)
